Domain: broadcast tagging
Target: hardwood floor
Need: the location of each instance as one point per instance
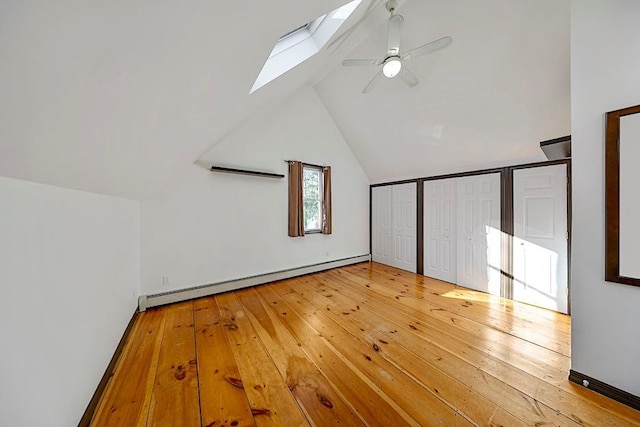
(360, 345)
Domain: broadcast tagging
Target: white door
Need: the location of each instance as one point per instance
(382, 244)
(479, 235)
(440, 229)
(404, 218)
(540, 237)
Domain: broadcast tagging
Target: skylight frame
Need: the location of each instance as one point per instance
(292, 32)
(293, 37)
(300, 44)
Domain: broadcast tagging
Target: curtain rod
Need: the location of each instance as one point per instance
(306, 164)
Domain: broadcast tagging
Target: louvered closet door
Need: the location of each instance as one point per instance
(440, 253)
(479, 236)
(381, 226)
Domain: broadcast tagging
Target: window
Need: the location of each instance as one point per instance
(309, 199)
(312, 190)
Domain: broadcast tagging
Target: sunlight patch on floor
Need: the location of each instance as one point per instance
(471, 296)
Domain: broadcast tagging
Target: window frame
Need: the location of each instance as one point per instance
(289, 33)
(320, 199)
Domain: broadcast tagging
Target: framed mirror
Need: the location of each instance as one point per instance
(622, 196)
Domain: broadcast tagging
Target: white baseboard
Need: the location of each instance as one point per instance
(154, 300)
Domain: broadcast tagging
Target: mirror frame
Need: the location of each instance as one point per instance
(612, 197)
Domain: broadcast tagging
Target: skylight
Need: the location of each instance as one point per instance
(301, 43)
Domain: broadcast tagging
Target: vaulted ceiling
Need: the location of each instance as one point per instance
(120, 97)
(488, 99)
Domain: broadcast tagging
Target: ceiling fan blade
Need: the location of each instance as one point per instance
(396, 22)
(428, 48)
(408, 77)
(373, 83)
(360, 62)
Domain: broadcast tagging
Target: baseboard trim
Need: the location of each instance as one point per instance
(605, 389)
(108, 373)
(154, 300)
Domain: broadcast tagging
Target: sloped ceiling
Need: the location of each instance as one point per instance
(487, 100)
(120, 97)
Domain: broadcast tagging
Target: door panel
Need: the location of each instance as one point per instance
(382, 245)
(466, 202)
(431, 260)
(489, 236)
(404, 225)
(479, 237)
(440, 229)
(540, 237)
(393, 230)
(447, 255)
(467, 262)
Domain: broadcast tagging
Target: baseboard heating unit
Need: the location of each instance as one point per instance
(154, 300)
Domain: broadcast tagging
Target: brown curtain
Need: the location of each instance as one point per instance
(326, 202)
(296, 215)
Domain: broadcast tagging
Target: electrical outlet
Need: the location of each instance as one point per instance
(165, 280)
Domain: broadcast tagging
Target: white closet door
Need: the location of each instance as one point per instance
(382, 244)
(440, 229)
(479, 236)
(404, 217)
(540, 237)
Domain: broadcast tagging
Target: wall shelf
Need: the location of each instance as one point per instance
(246, 172)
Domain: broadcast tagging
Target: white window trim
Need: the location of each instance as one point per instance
(320, 198)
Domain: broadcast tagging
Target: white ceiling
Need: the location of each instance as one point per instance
(120, 97)
(487, 100)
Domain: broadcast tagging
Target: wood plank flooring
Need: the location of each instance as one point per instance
(360, 345)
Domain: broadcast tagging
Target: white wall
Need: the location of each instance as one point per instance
(605, 58)
(69, 275)
(212, 227)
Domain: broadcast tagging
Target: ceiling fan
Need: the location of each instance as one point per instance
(393, 63)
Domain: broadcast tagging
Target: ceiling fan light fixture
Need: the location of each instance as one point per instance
(391, 67)
(393, 62)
